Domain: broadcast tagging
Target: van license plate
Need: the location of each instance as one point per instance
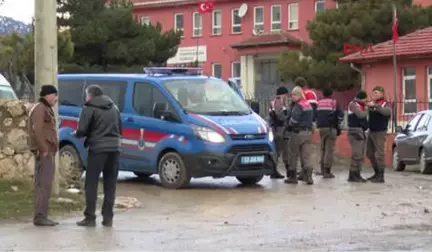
(252, 160)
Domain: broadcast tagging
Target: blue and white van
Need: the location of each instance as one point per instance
(177, 124)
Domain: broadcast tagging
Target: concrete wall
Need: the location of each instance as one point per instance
(16, 160)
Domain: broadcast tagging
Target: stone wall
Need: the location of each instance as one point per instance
(16, 160)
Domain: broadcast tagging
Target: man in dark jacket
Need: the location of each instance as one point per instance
(357, 127)
(300, 125)
(379, 116)
(278, 114)
(100, 123)
(329, 118)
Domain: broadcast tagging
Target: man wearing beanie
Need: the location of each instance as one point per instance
(379, 116)
(43, 142)
(329, 119)
(300, 126)
(100, 123)
(278, 115)
(357, 126)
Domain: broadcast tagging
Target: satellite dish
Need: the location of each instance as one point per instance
(243, 10)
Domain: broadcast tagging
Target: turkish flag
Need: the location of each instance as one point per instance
(395, 34)
(204, 7)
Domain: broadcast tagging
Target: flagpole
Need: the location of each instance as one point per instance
(394, 75)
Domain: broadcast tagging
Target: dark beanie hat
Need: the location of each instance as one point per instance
(361, 95)
(47, 90)
(281, 91)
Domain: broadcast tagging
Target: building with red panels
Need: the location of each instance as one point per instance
(414, 71)
(423, 2)
(235, 38)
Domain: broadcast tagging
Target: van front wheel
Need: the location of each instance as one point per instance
(249, 180)
(172, 171)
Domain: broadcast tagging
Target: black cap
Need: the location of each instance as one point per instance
(47, 90)
(281, 91)
(361, 95)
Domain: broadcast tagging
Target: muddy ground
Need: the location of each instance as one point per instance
(216, 215)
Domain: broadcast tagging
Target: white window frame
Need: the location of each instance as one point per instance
(405, 78)
(213, 69)
(147, 18)
(255, 24)
(199, 29)
(214, 26)
(232, 22)
(429, 83)
(232, 69)
(272, 22)
(175, 22)
(316, 4)
(295, 22)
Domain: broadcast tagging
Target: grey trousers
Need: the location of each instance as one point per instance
(43, 179)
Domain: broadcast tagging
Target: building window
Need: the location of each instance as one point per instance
(430, 87)
(179, 22)
(217, 70)
(319, 5)
(409, 90)
(235, 21)
(197, 24)
(217, 22)
(259, 19)
(145, 20)
(276, 18)
(293, 16)
(235, 69)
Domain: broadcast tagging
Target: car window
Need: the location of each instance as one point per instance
(114, 89)
(6, 92)
(145, 96)
(423, 123)
(413, 122)
(71, 92)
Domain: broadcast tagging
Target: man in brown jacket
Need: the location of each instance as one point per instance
(43, 143)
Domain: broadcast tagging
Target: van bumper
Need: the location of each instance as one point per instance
(218, 165)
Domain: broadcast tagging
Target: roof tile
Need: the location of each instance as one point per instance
(268, 39)
(418, 43)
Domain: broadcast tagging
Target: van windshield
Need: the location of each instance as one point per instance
(6, 92)
(207, 96)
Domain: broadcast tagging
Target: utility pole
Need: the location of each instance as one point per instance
(45, 40)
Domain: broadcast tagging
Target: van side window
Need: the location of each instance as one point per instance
(145, 96)
(71, 92)
(114, 89)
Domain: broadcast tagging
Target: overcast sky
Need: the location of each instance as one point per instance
(22, 10)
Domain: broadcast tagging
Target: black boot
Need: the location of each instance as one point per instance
(375, 174)
(292, 178)
(355, 176)
(379, 178)
(86, 223)
(107, 223)
(328, 174)
(45, 223)
(308, 177)
(276, 175)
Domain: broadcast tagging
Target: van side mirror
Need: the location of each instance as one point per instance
(399, 129)
(160, 111)
(255, 106)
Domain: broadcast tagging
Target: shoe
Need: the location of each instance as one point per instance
(292, 178)
(308, 179)
(86, 223)
(328, 174)
(355, 177)
(379, 178)
(107, 223)
(45, 223)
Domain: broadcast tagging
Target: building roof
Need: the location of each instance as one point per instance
(416, 44)
(166, 3)
(268, 39)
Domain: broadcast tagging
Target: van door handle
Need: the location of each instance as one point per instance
(129, 119)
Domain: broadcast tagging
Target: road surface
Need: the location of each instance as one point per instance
(219, 215)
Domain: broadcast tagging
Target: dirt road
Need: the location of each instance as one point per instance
(218, 215)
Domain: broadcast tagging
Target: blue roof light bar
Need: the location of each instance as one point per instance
(173, 70)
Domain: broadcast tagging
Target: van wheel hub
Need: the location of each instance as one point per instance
(171, 170)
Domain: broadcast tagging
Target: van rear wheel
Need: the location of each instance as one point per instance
(70, 166)
(172, 171)
(249, 180)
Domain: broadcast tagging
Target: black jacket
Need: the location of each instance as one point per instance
(301, 116)
(100, 123)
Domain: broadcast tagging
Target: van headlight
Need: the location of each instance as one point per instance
(207, 134)
(270, 135)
